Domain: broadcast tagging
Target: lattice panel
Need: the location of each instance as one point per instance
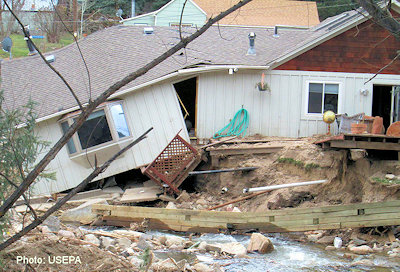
(171, 161)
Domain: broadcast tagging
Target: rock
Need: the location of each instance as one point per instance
(236, 209)
(362, 250)
(215, 248)
(313, 237)
(135, 261)
(143, 244)
(363, 262)
(168, 265)
(234, 248)
(390, 176)
(83, 213)
(337, 242)
(260, 243)
(91, 238)
(66, 233)
(201, 267)
(162, 240)
(45, 230)
(202, 246)
(377, 248)
(350, 256)
(396, 250)
(356, 154)
(395, 245)
(330, 248)
(52, 222)
(202, 202)
(183, 197)
(358, 242)
(174, 240)
(123, 242)
(132, 234)
(171, 205)
(106, 242)
(326, 240)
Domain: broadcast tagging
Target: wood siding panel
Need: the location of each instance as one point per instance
(364, 49)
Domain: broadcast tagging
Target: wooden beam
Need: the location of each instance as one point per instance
(366, 145)
(245, 151)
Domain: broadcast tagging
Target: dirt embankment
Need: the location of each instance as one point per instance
(349, 181)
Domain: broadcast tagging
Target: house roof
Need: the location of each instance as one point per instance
(264, 12)
(113, 53)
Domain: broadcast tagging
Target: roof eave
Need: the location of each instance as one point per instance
(181, 72)
(281, 60)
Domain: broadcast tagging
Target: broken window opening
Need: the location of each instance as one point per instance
(186, 93)
(106, 125)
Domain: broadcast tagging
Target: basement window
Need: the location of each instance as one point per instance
(104, 126)
(322, 97)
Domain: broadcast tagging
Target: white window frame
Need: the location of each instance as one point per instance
(114, 134)
(318, 116)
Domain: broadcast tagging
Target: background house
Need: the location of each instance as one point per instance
(26, 11)
(256, 13)
(307, 71)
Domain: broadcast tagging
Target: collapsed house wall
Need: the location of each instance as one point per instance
(156, 106)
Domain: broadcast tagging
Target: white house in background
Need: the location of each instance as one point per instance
(255, 13)
(307, 71)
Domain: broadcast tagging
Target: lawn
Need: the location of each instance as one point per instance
(20, 49)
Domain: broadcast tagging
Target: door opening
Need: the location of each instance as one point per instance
(186, 92)
(382, 103)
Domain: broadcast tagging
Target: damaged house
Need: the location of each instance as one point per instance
(285, 82)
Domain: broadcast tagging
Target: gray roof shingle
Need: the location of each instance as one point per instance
(115, 52)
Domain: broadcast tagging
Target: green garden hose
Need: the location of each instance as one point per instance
(236, 127)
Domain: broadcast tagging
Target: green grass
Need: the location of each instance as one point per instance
(300, 164)
(386, 181)
(20, 49)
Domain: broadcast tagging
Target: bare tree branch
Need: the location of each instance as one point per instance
(26, 200)
(180, 20)
(384, 67)
(43, 57)
(30, 178)
(381, 17)
(73, 192)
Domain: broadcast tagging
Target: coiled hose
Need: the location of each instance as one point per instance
(236, 127)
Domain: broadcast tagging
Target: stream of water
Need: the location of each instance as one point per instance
(288, 256)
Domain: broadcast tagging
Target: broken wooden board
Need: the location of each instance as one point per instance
(221, 152)
(141, 194)
(285, 220)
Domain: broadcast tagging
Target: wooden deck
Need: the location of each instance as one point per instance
(362, 141)
(285, 220)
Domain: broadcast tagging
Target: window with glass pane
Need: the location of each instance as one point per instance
(95, 130)
(70, 144)
(315, 91)
(323, 97)
(331, 94)
(119, 120)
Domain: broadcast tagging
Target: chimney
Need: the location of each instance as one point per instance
(276, 35)
(252, 39)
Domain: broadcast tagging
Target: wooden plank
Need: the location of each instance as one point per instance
(368, 135)
(245, 151)
(283, 212)
(140, 194)
(365, 145)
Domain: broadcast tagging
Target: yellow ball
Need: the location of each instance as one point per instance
(329, 117)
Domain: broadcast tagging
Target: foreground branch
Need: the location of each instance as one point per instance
(382, 17)
(31, 177)
(73, 192)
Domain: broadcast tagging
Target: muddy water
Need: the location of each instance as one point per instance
(288, 256)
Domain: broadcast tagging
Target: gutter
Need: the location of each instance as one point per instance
(180, 72)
